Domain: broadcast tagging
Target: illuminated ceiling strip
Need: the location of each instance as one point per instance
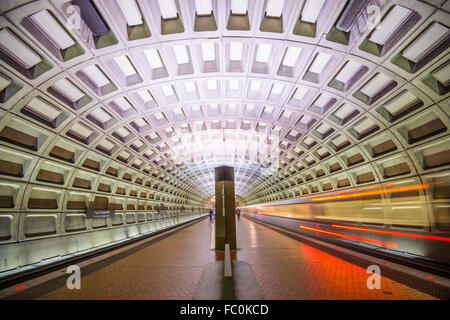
(404, 234)
(153, 58)
(274, 8)
(50, 27)
(384, 243)
(370, 193)
(18, 50)
(131, 12)
(203, 7)
(239, 6)
(426, 42)
(311, 10)
(390, 24)
(168, 9)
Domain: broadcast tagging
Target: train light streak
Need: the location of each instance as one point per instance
(376, 192)
(390, 244)
(349, 191)
(397, 233)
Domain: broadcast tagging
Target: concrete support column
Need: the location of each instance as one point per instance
(225, 217)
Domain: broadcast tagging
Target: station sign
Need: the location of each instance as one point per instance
(96, 214)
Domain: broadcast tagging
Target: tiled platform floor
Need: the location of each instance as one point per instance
(284, 268)
(288, 269)
(168, 269)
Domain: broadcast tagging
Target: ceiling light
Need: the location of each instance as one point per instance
(375, 85)
(236, 50)
(401, 103)
(277, 88)
(349, 70)
(340, 141)
(300, 93)
(233, 84)
(68, 90)
(140, 122)
(268, 109)
(203, 7)
(311, 10)
(239, 6)
(208, 51)
(145, 95)
(323, 128)
(100, 115)
(291, 56)
(122, 132)
(287, 114)
(263, 52)
(123, 104)
(211, 84)
(322, 100)
(124, 64)
(308, 141)
(390, 24)
(190, 86)
(320, 62)
(167, 90)
(255, 85)
(96, 76)
(52, 29)
(43, 109)
(18, 50)
(153, 58)
(181, 54)
(106, 144)
(131, 12)
(344, 111)
(168, 9)
(426, 42)
(159, 116)
(80, 131)
(364, 126)
(274, 8)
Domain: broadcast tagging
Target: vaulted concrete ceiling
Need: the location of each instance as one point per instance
(295, 95)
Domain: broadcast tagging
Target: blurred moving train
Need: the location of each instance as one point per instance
(407, 221)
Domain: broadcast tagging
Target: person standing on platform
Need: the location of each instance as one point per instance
(210, 214)
(238, 212)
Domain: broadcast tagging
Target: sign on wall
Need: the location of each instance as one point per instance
(95, 214)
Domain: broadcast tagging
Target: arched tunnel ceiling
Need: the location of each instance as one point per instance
(277, 89)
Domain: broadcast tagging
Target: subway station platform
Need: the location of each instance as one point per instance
(169, 266)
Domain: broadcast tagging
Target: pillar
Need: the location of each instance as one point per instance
(225, 218)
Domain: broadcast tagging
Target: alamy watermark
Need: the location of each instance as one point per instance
(74, 280)
(374, 280)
